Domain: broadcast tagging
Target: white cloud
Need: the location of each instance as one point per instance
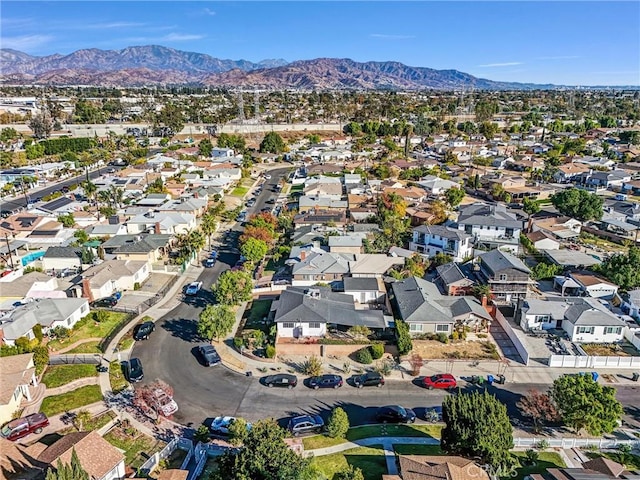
(181, 37)
(504, 64)
(208, 11)
(25, 42)
(385, 36)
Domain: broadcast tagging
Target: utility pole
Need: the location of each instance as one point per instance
(6, 239)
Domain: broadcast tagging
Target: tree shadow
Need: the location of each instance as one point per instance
(183, 328)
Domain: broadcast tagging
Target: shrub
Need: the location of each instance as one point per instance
(416, 363)
(238, 342)
(481, 335)
(403, 337)
(40, 358)
(455, 336)
(542, 444)
(100, 316)
(443, 338)
(346, 367)
(364, 356)
(384, 367)
(312, 367)
(137, 286)
(531, 456)
(359, 331)
(201, 434)
(270, 351)
(37, 331)
(338, 424)
(377, 350)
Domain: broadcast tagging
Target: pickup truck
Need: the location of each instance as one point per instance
(22, 427)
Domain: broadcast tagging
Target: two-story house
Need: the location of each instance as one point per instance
(429, 240)
(324, 186)
(506, 275)
(491, 226)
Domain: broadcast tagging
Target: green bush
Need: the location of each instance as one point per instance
(238, 342)
(403, 337)
(270, 351)
(455, 336)
(364, 356)
(443, 338)
(377, 350)
(136, 286)
(338, 424)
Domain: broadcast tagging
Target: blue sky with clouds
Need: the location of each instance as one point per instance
(573, 43)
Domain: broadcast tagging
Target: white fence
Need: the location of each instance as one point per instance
(633, 337)
(567, 443)
(571, 361)
(152, 463)
(522, 351)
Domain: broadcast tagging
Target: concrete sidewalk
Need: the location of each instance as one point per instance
(388, 442)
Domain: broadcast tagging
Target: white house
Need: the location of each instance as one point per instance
(62, 258)
(595, 286)
(585, 319)
(17, 373)
(632, 303)
(430, 240)
(365, 290)
(218, 152)
(542, 241)
(491, 225)
(103, 280)
(436, 185)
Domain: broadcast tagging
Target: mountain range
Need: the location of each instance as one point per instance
(158, 65)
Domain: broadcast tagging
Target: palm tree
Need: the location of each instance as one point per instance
(117, 195)
(208, 226)
(90, 189)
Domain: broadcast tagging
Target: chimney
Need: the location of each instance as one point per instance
(86, 289)
(303, 254)
(157, 228)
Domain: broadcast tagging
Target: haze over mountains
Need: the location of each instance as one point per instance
(157, 65)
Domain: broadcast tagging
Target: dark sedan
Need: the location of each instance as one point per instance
(281, 380)
(395, 414)
(325, 381)
(142, 331)
(209, 355)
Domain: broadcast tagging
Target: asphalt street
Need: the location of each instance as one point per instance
(201, 392)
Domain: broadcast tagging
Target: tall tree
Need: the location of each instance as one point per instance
(272, 143)
(41, 124)
(585, 404)
(578, 203)
(215, 321)
(68, 471)
(539, 407)
(254, 250)
(454, 196)
(233, 287)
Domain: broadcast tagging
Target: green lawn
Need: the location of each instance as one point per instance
(116, 377)
(94, 424)
(296, 188)
(137, 446)
(408, 449)
(88, 347)
(257, 311)
(369, 459)
(239, 191)
(629, 460)
(126, 343)
(358, 433)
(88, 328)
(545, 460)
(68, 401)
(58, 375)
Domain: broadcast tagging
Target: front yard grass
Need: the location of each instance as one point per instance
(89, 328)
(88, 347)
(68, 401)
(369, 459)
(95, 423)
(137, 446)
(545, 460)
(116, 377)
(629, 460)
(239, 191)
(57, 375)
(367, 431)
(258, 310)
(409, 449)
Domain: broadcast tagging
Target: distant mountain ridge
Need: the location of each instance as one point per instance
(158, 65)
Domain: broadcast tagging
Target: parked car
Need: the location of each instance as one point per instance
(441, 380)
(162, 403)
(193, 288)
(251, 202)
(214, 253)
(305, 424)
(433, 414)
(281, 380)
(395, 414)
(242, 216)
(209, 355)
(220, 425)
(21, 427)
(369, 379)
(105, 302)
(142, 331)
(325, 381)
(133, 370)
(209, 262)
(267, 176)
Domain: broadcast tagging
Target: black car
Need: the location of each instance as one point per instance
(369, 379)
(133, 370)
(281, 380)
(209, 355)
(105, 302)
(325, 381)
(395, 414)
(305, 424)
(142, 331)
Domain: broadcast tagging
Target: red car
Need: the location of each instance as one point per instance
(22, 427)
(441, 380)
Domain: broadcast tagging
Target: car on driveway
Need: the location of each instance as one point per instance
(193, 288)
(142, 331)
(441, 380)
(369, 379)
(305, 424)
(326, 381)
(209, 355)
(105, 302)
(21, 427)
(209, 262)
(220, 425)
(395, 414)
(133, 370)
(281, 380)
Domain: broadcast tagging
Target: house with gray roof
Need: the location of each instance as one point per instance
(585, 319)
(491, 226)
(108, 230)
(62, 258)
(455, 279)
(420, 303)
(307, 312)
(506, 275)
(430, 240)
(350, 243)
(161, 222)
(365, 289)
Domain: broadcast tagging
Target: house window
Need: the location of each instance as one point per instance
(503, 278)
(442, 328)
(415, 327)
(288, 325)
(588, 330)
(610, 330)
(314, 325)
(69, 321)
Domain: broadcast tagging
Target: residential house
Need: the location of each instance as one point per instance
(323, 186)
(419, 303)
(142, 247)
(21, 224)
(108, 230)
(541, 240)
(218, 152)
(600, 468)
(162, 223)
(153, 200)
(631, 303)
(48, 312)
(430, 240)
(365, 289)
(29, 285)
(440, 467)
(506, 275)
(350, 243)
(594, 286)
(57, 259)
(50, 233)
(373, 264)
(455, 279)
(570, 172)
(98, 458)
(585, 319)
(103, 280)
(185, 205)
(307, 312)
(310, 203)
(410, 194)
(604, 180)
(17, 374)
(563, 228)
(320, 217)
(491, 225)
(595, 162)
(570, 259)
(436, 185)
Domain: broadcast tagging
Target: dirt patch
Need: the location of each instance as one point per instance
(607, 350)
(470, 349)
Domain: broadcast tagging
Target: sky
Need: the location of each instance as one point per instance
(565, 43)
